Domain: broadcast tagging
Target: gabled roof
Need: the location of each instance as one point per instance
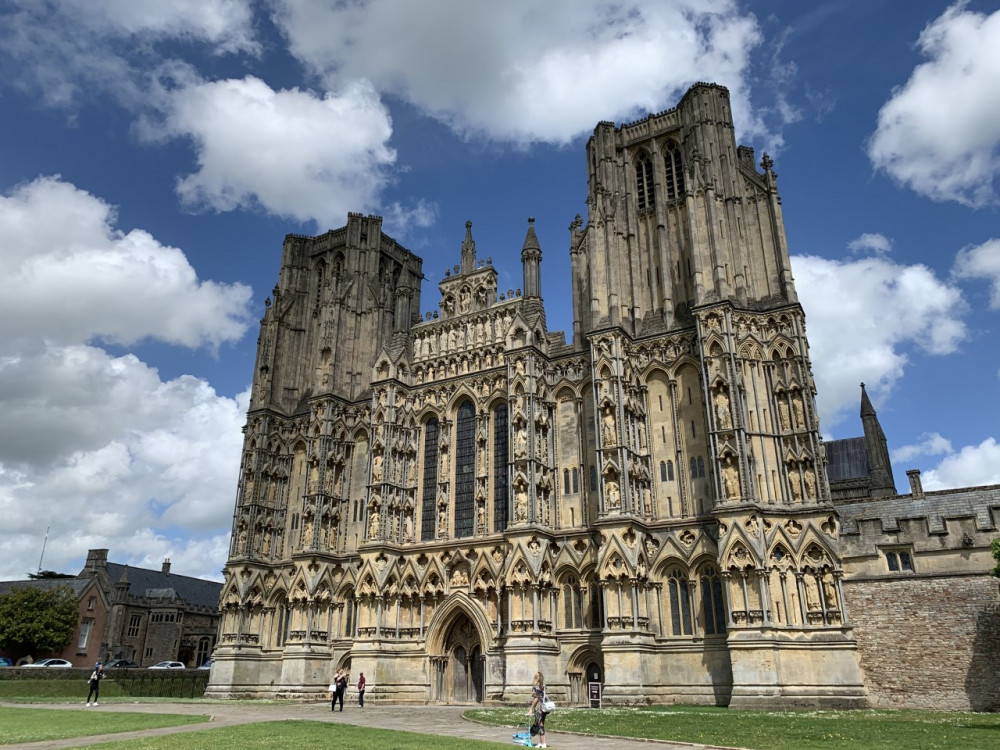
(156, 584)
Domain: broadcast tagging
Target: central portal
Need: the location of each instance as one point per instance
(464, 674)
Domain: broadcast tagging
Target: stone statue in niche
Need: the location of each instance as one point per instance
(730, 480)
(373, 524)
(521, 442)
(442, 521)
(377, 468)
(809, 477)
(795, 482)
(520, 503)
(609, 432)
(723, 415)
(799, 410)
(783, 414)
(613, 494)
(465, 301)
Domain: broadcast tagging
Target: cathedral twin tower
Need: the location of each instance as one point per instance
(450, 504)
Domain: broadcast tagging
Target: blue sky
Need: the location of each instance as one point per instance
(154, 155)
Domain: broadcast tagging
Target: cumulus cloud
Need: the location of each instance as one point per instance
(291, 152)
(80, 278)
(973, 466)
(981, 262)
(938, 134)
(524, 71)
(94, 444)
(875, 243)
(865, 316)
(63, 49)
(932, 444)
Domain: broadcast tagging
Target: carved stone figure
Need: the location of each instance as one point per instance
(783, 415)
(723, 416)
(730, 479)
(520, 503)
(613, 494)
(377, 468)
(609, 433)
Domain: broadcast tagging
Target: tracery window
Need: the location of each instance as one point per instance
(670, 471)
(465, 457)
(713, 606)
(663, 471)
(500, 498)
(430, 479)
(680, 603)
(645, 195)
(674, 182)
(565, 481)
(572, 604)
(899, 561)
(576, 481)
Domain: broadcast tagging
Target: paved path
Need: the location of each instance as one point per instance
(432, 720)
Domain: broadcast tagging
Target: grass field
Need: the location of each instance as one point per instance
(45, 691)
(36, 724)
(301, 735)
(774, 730)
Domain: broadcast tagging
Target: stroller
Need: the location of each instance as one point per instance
(524, 738)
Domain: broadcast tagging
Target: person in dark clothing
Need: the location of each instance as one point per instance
(95, 684)
(361, 690)
(339, 688)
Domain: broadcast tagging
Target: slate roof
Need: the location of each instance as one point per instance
(156, 584)
(847, 459)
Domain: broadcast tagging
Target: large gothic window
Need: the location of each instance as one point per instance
(674, 182)
(680, 603)
(500, 500)
(712, 604)
(430, 479)
(465, 464)
(645, 196)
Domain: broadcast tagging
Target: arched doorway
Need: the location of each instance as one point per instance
(585, 666)
(463, 679)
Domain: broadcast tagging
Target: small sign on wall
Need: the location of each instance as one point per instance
(594, 694)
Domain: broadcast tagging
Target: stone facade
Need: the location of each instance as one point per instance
(453, 501)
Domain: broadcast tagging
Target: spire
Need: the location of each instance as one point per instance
(468, 250)
(531, 258)
(880, 472)
(867, 410)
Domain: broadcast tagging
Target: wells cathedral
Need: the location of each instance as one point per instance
(454, 501)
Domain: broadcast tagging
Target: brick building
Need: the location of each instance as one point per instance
(136, 613)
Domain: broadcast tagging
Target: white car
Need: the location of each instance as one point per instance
(169, 665)
(50, 663)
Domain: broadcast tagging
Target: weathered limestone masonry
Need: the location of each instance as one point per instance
(926, 611)
(450, 502)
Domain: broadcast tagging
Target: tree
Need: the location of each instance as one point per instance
(46, 574)
(37, 620)
(995, 546)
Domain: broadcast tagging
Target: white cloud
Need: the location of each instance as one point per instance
(933, 444)
(981, 262)
(290, 152)
(92, 444)
(79, 279)
(868, 242)
(526, 71)
(63, 49)
(865, 316)
(939, 134)
(973, 466)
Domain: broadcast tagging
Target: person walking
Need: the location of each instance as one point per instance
(95, 684)
(361, 690)
(339, 688)
(537, 699)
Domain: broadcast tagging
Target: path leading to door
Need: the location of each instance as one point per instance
(430, 720)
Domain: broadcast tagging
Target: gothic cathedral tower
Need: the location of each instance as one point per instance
(682, 284)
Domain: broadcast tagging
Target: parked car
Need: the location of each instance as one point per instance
(169, 665)
(6, 662)
(50, 663)
(121, 664)
(206, 665)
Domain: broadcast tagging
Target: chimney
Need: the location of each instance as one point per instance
(916, 488)
(97, 559)
(166, 566)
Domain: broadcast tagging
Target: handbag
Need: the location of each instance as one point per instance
(332, 688)
(548, 706)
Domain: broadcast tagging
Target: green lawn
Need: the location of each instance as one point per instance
(774, 730)
(302, 735)
(36, 724)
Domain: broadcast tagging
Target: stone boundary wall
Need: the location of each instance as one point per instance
(928, 642)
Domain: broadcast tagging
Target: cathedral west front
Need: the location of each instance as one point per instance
(451, 502)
